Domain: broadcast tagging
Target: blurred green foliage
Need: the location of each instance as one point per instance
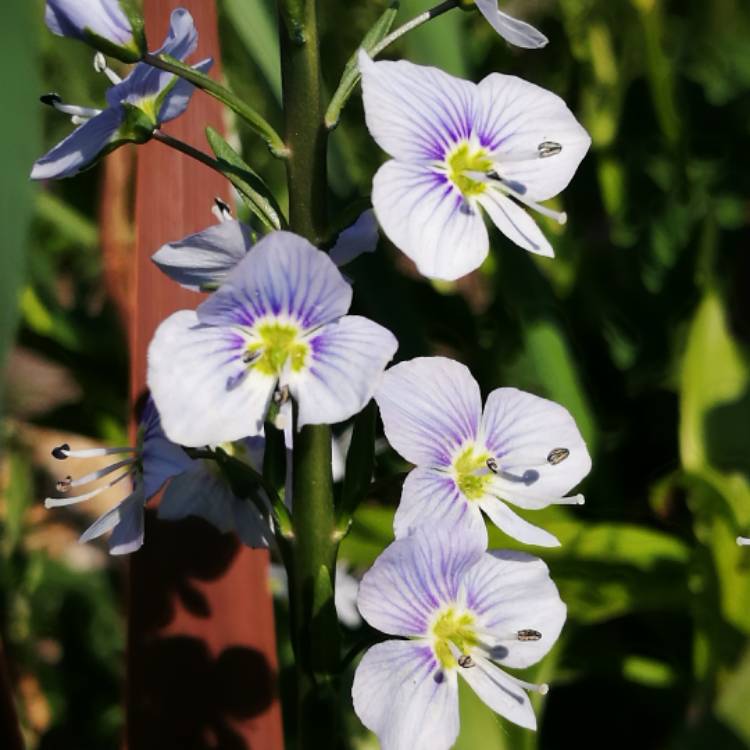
(640, 326)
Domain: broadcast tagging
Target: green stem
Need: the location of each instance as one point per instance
(315, 627)
(186, 148)
(224, 95)
(415, 22)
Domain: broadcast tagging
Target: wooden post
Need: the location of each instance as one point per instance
(202, 668)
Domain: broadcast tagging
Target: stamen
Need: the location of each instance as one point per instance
(465, 661)
(59, 502)
(492, 465)
(572, 500)
(63, 451)
(542, 688)
(100, 66)
(78, 114)
(221, 210)
(557, 456)
(549, 148)
(99, 473)
(743, 541)
(489, 636)
(559, 216)
(250, 356)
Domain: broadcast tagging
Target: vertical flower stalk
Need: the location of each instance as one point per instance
(314, 550)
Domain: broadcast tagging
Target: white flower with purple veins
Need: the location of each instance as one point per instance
(136, 106)
(463, 612)
(196, 488)
(202, 261)
(461, 148)
(278, 323)
(112, 26)
(513, 30)
(521, 449)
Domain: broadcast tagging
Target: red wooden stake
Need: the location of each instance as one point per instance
(202, 666)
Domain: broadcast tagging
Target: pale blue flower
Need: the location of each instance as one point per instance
(202, 261)
(112, 26)
(278, 323)
(196, 488)
(460, 149)
(136, 106)
(519, 449)
(461, 612)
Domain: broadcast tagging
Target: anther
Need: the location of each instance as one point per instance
(50, 99)
(548, 148)
(465, 661)
(529, 635)
(64, 485)
(492, 465)
(61, 452)
(221, 210)
(557, 456)
(100, 66)
(249, 357)
(281, 395)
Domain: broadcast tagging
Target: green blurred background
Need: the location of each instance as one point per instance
(640, 327)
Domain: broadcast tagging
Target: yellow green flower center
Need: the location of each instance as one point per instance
(471, 473)
(463, 159)
(276, 344)
(453, 626)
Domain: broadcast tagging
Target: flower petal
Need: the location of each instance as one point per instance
(361, 237)
(282, 275)
(427, 218)
(430, 407)
(500, 692)
(202, 493)
(81, 148)
(344, 367)
(177, 97)
(513, 30)
(203, 390)
(431, 497)
(511, 592)
(515, 223)
(414, 112)
(125, 521)
(515, 526)
(522, 431)
(516, 119)
(415, 576)
(206, 258)
(146, 82)
(105, 18)
(400, 693)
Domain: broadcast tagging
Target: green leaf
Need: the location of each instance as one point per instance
(350, 76)
(255, 192)
(19, 130)
(256, 26)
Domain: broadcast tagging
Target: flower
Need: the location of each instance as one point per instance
(112, 26)
(195, 489)
(277, 321)
(136, 106)
(522, 448)
(458, 146)
(203, 260)
(517, 32)
(463, 611)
